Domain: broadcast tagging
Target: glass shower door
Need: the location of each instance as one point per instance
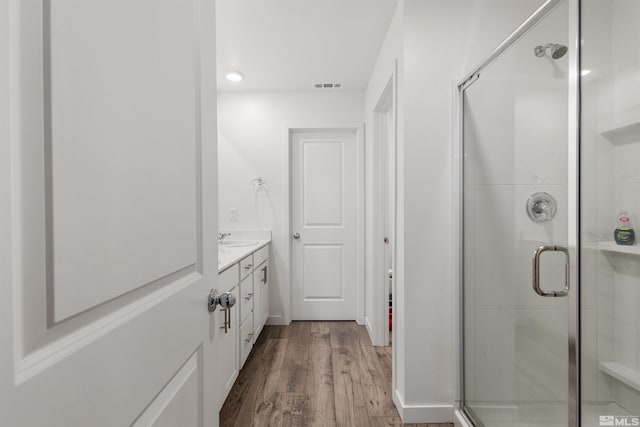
(515, 231)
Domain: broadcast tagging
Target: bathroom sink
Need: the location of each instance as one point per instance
(237, 243)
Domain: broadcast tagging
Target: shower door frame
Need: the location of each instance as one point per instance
(573, 202)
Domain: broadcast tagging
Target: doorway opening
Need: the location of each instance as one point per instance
(384, 215)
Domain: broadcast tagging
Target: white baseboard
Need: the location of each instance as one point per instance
(423, 413)
(277, 320)
(367, 324)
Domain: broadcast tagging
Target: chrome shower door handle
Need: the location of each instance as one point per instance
(536, 271)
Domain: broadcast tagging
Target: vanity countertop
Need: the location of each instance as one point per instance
(227, 256)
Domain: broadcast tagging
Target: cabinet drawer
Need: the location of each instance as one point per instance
(260, 255)
(246, 298)
(246, 339)
(246, 266)
(228, 278)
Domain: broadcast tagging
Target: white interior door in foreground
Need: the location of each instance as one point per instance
(108, 213)
(324, 209)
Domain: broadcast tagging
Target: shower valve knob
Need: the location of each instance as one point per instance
(541, 207)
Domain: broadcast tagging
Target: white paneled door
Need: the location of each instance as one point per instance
(108, 213)
(324, 212)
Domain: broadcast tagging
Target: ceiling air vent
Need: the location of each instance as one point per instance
(327, 85)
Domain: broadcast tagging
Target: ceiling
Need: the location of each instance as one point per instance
(288, 45)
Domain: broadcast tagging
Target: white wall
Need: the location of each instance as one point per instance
(382, 73)
(251, 143)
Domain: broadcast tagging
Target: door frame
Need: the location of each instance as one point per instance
(288, 130)
(384, 190)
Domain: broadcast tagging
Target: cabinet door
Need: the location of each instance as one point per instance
(247, 296)
(264, 290)
(261, 304)
(228, 342)
(257, 304)
(246, 339)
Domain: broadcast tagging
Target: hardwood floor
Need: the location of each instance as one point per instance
(314, 374)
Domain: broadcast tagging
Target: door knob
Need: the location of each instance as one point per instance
(227, 300)
(296, 236)
(213, 300)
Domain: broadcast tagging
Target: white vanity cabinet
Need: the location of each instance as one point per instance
(247, 279)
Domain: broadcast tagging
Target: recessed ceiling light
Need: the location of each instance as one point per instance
(235, 76)
(585, 72)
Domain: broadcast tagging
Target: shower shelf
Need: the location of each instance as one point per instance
(621, 373)
(623, 128)
(614, 247)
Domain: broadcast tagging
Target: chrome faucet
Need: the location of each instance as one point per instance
(222, 236)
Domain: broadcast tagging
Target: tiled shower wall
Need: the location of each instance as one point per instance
(610, 183)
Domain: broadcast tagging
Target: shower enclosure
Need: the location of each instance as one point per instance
(550, 157)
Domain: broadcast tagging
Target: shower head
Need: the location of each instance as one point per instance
(557, 50)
